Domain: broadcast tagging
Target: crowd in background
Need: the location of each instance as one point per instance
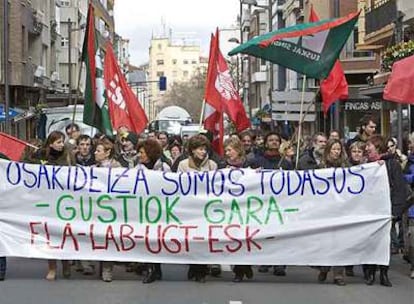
(249, 149)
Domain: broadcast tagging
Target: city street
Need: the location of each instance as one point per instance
(25, 283)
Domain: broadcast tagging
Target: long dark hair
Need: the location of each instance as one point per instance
(53, 136)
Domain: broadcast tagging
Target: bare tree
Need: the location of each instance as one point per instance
(188, 94)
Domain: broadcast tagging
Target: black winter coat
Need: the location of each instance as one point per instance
(398, 185)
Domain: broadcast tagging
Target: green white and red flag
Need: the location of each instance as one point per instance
(124, 107)
(95, 111)
(309, 48)
(334, 87)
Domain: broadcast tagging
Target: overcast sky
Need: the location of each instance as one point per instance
(136, 20)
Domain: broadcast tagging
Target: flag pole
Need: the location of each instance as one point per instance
(300, 120)
(203, 106)
(77, 90)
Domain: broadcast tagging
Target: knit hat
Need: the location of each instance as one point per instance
(130, 136)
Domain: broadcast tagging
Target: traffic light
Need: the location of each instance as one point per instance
(163, 83)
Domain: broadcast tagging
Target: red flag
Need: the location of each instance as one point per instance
(334, 86)
(400, 84)
(124, 108)
(11, 146)
(221, 95)
(213, 110)
(227, 93)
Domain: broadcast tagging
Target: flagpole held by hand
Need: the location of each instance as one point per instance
(300, 120)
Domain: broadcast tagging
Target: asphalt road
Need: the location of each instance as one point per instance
(25, 283)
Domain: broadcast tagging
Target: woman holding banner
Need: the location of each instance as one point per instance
(150, 157)
(104, 157)
(236, 158)
(54, 152)
(377, 151)
(197, 160)
(334, 156)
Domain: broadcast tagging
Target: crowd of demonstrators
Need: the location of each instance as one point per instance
(249, 149)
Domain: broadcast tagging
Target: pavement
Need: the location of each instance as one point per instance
(25, 283)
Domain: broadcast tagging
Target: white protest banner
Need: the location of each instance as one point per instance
(323, 217)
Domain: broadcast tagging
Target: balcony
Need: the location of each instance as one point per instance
(36, 25)
(380, 15)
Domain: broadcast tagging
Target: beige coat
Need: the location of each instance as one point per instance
(188, 164)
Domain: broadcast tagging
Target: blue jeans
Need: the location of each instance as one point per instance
(2, 266)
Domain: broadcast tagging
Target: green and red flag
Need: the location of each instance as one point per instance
(334, 87)
(95, 111)
(309, 48)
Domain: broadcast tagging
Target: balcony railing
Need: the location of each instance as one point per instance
(380, 15)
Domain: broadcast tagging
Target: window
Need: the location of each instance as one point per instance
(65, 3)
(64, 42)
(160, 46)
(174, 73)
(185, 61)
(160, 62)
(174, 61)
(185, 73)
(194, 62)
(159, 74)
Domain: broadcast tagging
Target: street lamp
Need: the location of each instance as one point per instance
(235, 40)
(70, 31)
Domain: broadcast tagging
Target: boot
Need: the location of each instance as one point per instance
(238, 273)
(191, 274)
(2, 268)
(349, 271)
(66, 269)
(384, 280)
(153, 274)
(248, 271)
(200, 273)
(215, 270)
(369, 275)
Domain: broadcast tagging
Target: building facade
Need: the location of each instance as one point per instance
(177, 59)
(40, 32)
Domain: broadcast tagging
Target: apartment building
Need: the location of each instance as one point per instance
(176, 57)
(384, 24)
(40, 32)
(33, 43)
